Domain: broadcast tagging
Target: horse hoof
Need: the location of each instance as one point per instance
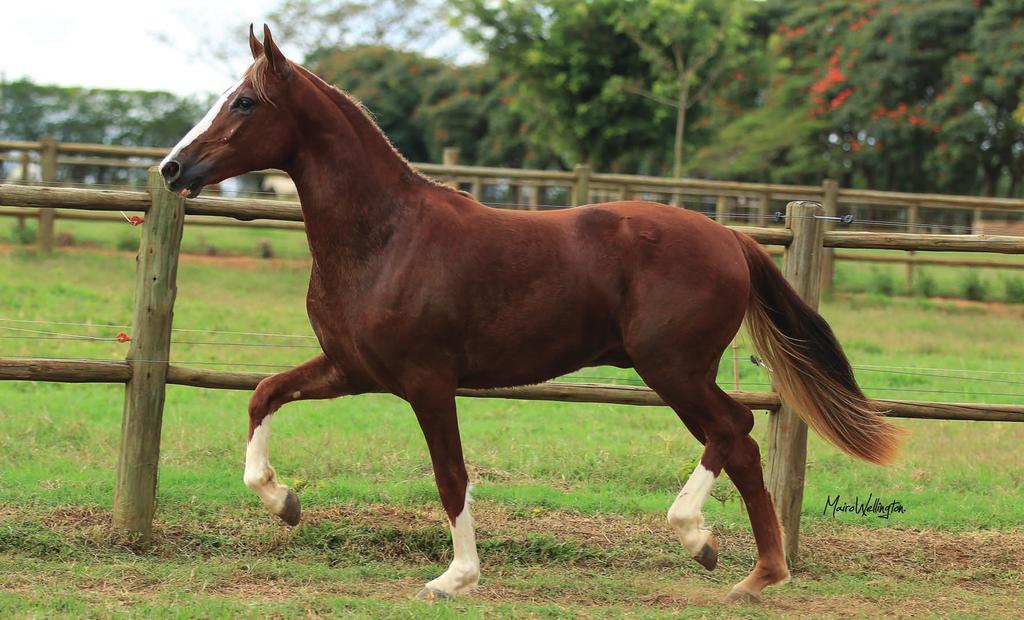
(292, 509)
(744, 597)
(708, 555)
(431, 595)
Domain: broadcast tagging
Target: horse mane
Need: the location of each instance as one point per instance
(257, 74)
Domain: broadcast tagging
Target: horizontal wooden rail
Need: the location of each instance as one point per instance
(860, 257)
(85, 148)
(64, 371)
(125, 200)
(918, 241)
(73, 198)
(238, 208)
(923, 260)
(597, 180)
(558, 176)
(945, 201)
(96, 371)
(20, 145)
(250, 209)
(245, 209)
(635, 180)
(104, 162)
(191, 220)
(766, 236)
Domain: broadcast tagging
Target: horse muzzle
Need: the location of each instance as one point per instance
(183, 179)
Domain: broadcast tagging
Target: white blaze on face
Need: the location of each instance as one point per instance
(464, 572)
(204, 123)
(685, 514)
(259, 475)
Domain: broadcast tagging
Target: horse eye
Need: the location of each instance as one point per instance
(244, 104)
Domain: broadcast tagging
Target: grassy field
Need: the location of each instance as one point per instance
(567, 528)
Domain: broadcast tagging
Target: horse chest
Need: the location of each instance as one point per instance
(374, 331)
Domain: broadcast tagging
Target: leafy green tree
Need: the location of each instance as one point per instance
(474, 108)
(850, 94)
(688, 44)
(391, 83)
(975, 115)
(29, 111)
(313, 25)
(564, 55)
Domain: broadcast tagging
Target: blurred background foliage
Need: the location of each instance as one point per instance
(912, 95)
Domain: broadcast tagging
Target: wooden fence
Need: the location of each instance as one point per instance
(727, 202)
(804, 238)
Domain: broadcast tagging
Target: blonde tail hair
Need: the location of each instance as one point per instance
(809, 368)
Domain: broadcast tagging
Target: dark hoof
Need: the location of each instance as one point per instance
(744, 597)
(431, 595)
(292, 509)
(708, 556)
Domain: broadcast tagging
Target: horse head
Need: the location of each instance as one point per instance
(250, 127)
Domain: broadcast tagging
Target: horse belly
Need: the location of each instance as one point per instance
(530, 348)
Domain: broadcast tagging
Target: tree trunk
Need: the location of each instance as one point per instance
(1014, 168)
(683, 103)
(991, 179)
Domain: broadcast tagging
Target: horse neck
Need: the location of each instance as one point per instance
(353, 186)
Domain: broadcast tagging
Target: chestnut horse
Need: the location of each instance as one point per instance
(417, 289)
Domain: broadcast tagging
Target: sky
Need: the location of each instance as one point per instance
(117, 43)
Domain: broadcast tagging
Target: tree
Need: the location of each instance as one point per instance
(978, 128)
(136, 118)
(564, 55)
(850, 95)
(312, 25)
(688, 44)
(390, 82)
(475, 108)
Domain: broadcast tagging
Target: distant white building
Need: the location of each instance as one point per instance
(14, 172)
(280, 184)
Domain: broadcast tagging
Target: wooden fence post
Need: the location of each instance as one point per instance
(48, 165)
(26, 169)
(581, 188)
(450, 155)
(913, 216)
(787, 433)
(721, 206)
(830, 189)
(155, 289)
(765, 207)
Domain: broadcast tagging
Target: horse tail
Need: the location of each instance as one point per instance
(808, 365)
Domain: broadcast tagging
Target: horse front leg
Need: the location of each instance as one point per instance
(315, 379)
(435, 410)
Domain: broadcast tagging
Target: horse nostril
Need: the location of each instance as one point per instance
(170, 171)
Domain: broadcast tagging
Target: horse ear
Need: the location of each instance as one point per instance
(254, 44)
(278, 63)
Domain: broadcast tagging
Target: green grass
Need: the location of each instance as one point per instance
(996, 284)
(58, 447)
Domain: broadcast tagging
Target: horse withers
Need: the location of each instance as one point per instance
(417, 289)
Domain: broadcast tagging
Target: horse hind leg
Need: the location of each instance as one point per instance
(744, 469)
(315, 379)
(723, 426)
